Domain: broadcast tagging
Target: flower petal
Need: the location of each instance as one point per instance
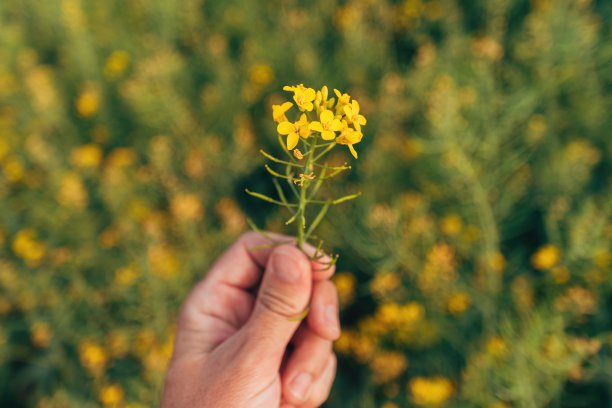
(309, 94)
(284, 128)
(335, 125)
(316, 126)
(352, 149)
(326, 116)
(328, 135)
(292, 140)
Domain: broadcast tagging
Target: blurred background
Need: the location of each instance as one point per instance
(474, 271)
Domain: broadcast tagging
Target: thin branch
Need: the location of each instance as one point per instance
(269, 199)
(274, 159)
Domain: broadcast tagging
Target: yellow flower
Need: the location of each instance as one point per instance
(116, 63)
(88, 155)
(27, 247)
(261, 74)
(41, 334)
(294, 130)
(343, 99)
(88, 102)
(352, 115)
(186, 207)
(302, 96)
(387, 365)
(546, 257)
(458, 303)
(430, 391)
(92, 356)
(345, 285)
(111, 395)
(278, 111)
(327, 126)
(349, 137)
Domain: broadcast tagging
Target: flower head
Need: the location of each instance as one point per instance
(349, 136)
(294, 130)
(343, 99)
(327, 126)
(278, 111)
(302, 96)
(352, 115)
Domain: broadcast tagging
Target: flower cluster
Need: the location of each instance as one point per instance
(338, 120)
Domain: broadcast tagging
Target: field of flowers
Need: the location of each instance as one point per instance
(475, 270)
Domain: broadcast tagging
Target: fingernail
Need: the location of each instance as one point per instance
(285, 267)
(300, 385)
(331, 318)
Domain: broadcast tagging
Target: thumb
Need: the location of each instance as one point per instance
(283, 295)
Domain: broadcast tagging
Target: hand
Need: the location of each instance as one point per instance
(236, 345)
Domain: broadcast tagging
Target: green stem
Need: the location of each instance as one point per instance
(303, 200)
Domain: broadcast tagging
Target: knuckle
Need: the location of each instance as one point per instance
(279, 304)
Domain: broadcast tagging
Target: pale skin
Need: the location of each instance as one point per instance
(237, 344)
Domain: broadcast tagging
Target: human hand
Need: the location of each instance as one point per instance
(236, 345)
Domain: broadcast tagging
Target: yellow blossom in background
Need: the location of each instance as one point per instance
(383, 284)
(499, 405)
(497, 347)
(92, 356)
(118, 343)
(546, 257)
(88, 155)
(294, 131)
(4, 147)
(163, 261)
(186, 207)
(72, 192)
(116, 63)
(602, 258)
(121, 157)
(28, 248)
(5, 306)
(111, 395)
(278, 112)
(302, 96)
(88, 102)
(451, 224)
(387, 365)
(327, 126)
(430, 391)
(127, 275)
(389, 404)
(458, 303)
(13, 168)
(232, 217)
(560, 274)
(41, 334)
(261, 74)
(345, 285)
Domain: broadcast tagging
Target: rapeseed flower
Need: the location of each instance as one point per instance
(294, 131)
(352, 115)
(302, 96)
(349, 137)
(327, 126)
(278, 112)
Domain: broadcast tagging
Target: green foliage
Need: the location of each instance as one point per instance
(474, 271)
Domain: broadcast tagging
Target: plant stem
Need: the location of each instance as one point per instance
(301, 212)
